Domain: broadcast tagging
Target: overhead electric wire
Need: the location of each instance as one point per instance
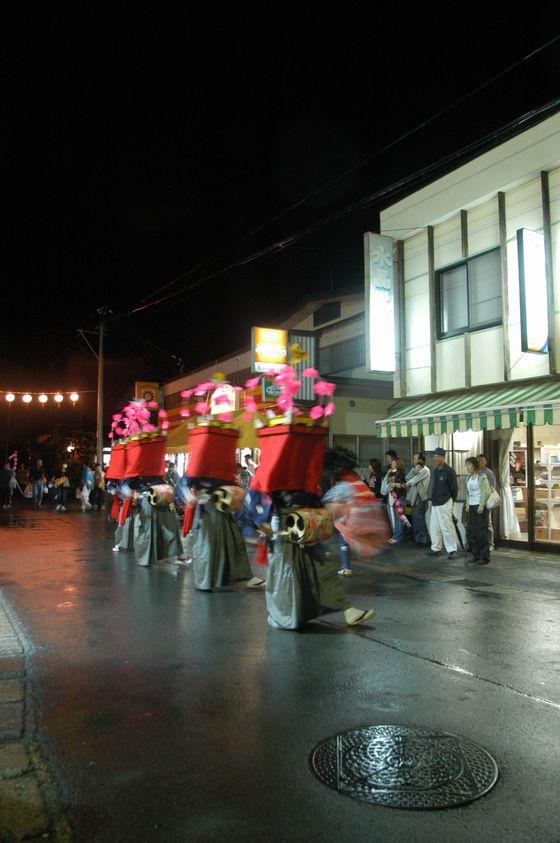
(395, 187)
(351, 170)
(148, 343)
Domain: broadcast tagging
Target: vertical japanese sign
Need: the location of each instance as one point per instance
(533, 293)
(380, 302)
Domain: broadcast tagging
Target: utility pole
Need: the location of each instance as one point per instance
(102, 313)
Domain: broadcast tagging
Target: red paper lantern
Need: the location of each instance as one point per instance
(292, 457)
(145, 457)
(212, 453)
(116, 467)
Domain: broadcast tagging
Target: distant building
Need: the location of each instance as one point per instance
(332, 330)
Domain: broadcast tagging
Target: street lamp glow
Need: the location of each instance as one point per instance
(10, 397)
(70, 448)
(27, 398)
(58, 398)
(74, 397)
(43, 398)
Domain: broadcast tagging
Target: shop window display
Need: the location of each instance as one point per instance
(546, 481)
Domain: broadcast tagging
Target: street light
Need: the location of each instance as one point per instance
(27, 398)
(10, 397)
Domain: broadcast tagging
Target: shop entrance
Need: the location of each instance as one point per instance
(529, 480)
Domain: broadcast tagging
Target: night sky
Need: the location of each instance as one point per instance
(138, 148)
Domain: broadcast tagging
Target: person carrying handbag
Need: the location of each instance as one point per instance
(478, 494)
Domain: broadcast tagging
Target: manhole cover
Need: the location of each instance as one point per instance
(401, 767)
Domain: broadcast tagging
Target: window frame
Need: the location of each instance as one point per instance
(458, 332)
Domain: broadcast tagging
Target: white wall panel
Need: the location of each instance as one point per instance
(416, 256)
(447, 242)
(450, 356)
(487, 356)
(524, 208)
(483, 227)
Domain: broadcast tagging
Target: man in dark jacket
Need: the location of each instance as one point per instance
(36, 475)
(443, 493)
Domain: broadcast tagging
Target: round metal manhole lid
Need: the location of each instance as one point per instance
(402, 767)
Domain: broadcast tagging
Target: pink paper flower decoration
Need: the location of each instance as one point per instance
(186, 393)
(185, 413)
(119, 431)
(226, 417)
(316, 412)
(310, 373)
(324, 388)
(291, 387)
(296, 411)
(162, 414)
(203, 387)
(252, 383)
(148, 428)
(250, 404)
(330, 409)
(287, 374)
(247, 416)
(111, 435)
(164, 425)
(143, 415)
(238, 389)
(153, 405)
(285, 402)
(117, 417)
(200, 407)
(134, 427)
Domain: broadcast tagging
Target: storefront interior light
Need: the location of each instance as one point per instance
(10, 397)
(27, 398)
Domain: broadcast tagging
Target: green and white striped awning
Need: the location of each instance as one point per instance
(509, 406)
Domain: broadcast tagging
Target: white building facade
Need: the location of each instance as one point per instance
(477, 297)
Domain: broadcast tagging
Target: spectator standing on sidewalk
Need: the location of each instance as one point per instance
(37, 477)
(97, 495)
(483, 468)
(417, 485)
(375, 477)
(62, 481)
(5, 477)
(442, 492)
(478, 492)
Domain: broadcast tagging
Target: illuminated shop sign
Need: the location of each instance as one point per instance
(533, 292)
(269, 349)
(380, 306)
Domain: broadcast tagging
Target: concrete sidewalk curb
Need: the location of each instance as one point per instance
(29, 797)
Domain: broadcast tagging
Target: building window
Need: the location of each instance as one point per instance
(326, 313)
(469, 295)
(348, 354)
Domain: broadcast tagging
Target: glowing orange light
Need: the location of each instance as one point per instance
(10, 397)
(74, 397)
(43, 398)
(27, 398)
(58, 397)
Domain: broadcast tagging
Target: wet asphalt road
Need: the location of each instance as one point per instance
(174, 715)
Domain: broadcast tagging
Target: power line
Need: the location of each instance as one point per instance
(351, 170)
(396, 187)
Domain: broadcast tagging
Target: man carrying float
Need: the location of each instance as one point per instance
(302, 581)
(219, 553)
(147, 523)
